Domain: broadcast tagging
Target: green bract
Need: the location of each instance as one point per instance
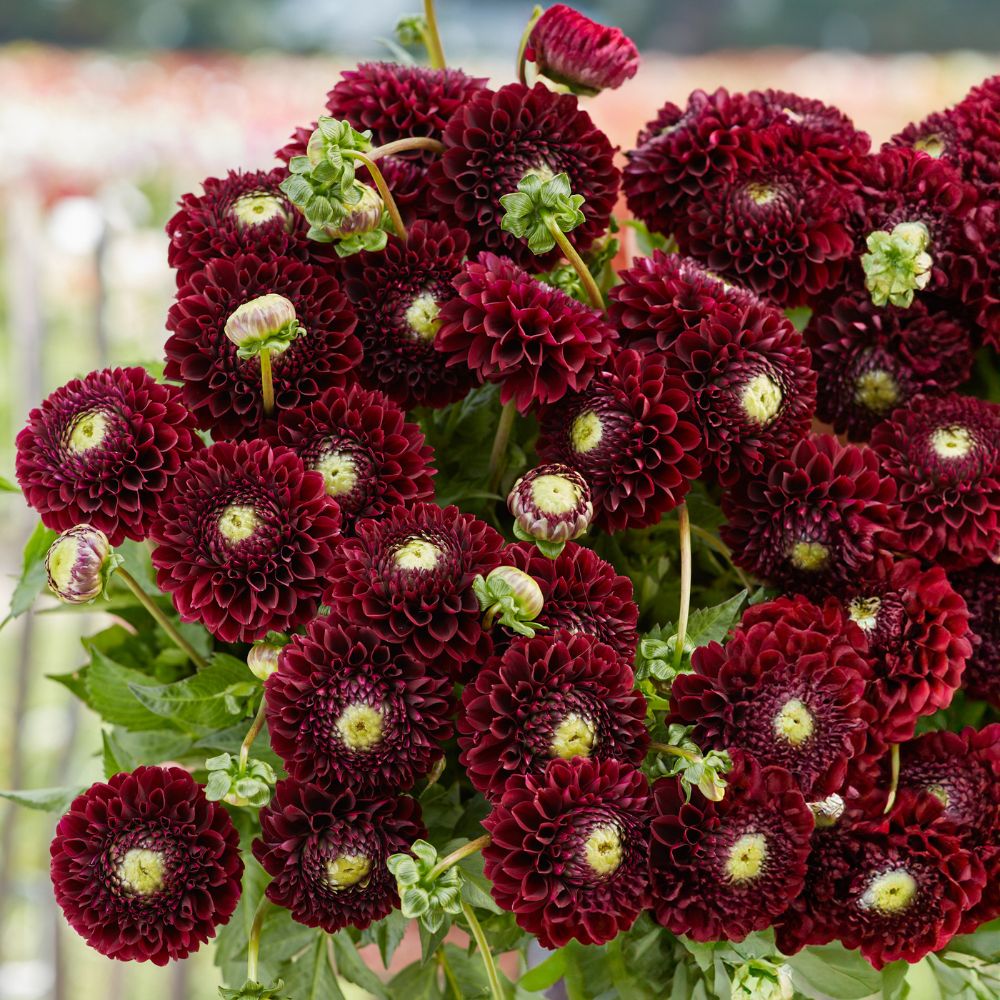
(897, 264)
(538, 206)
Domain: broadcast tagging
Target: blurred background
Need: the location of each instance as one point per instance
(110, 109)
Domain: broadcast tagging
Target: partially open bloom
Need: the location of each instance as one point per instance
(103, 450)
(567, 854)
(980, 588)
(326, 852)
(144, 867)
(78, 564)
(246, 540)
(551, 503)
(266, 323)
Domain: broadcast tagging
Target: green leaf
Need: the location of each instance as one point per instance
(351, 966)
(310, 977)
(475, 885)
(712, 624)
(6, 486)
(111, 692)
(54, 800)
(542, 976)
(417, 982)
(33, 577)
(387, 933)
(831, 970)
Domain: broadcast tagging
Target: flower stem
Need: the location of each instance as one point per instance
(684, 528)
(456, 855)
(253, 943)
(383, 190)
(160, 618)
(404, 145)
(894, 777)
(523, 47)
(266, 381)
(496, 992)
(673, 751)
(434, 49)
(449, 975)
(498, 455)
(252, 733)
(569, 252)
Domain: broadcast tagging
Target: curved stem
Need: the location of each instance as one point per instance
(435, 51)
(449, 975)
(252, 733)
(383, 190)
(684, 527)
(522, 49)
(893, 778)
(405, 145)
(499, 452)
(496, 992)
(673, 751)
(456, 855)
(160, 618)
(266, 381)
(253, 943)
(569, 252)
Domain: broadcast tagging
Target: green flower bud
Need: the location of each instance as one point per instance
(897, 264)
(79, 564)
(263, 659)
(265, 323)
(508, 596)
(537, 206)
(760, 979)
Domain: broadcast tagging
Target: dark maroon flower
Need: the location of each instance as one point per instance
(496, 138)
(536, 341)
(398, 293)
(631, 436)
(815, 521)
(725, 869)
(556, 695)
(871, 360)
(144, 867)
(326, 852)
(980, 588)
(944, 454)
(371, 458)
(982, 291)
(246, 540)
(567, 854)
(103, 450)
(582, 593)
(753, 389)
(569, 48)
(346, 709)
(409, 577)
(224, 391)
(788, 688)
(918, 641)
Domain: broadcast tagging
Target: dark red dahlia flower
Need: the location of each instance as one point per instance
(409, 577)
(631, 436)
(872, 360)
(569, 48)
(567, 854)
(224, 391)
(496, 138)
(398, 293)
(346, 709)
(246, 540)
(725, 869)
(556, 695)
(144, 867)
(980, 588)
(918, 641)
(788, 688)
(582, 593)
(982, 293)
(944, 454)
(371, 458)
(536, 341)
(753, 389)
(817, 519)
(660, 297)
(103, 450)
(326, 852)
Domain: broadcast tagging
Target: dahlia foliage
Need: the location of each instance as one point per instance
(636, 619)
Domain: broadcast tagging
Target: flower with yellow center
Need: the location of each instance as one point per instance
(573, 737)
(761, 194)
(346, 870)
(603, 849)
(864, 611)
(423, 317)
(256, 207)
(876, 390)
(554, 494)
(238, 522)
(417, 553)
(586, 432)
(794, 722)
(87, 431)
(360, 727)
(746, 857)
(890, 892)
(142, 871)
(952, 442)
(809, 556)
(340, 474)
(761, 400)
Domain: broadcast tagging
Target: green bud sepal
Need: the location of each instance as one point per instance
(509, 596)
(536, 205)
(249, 786)
(547, 548)
(256, 991)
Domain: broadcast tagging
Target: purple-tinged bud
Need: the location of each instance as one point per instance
(551, 504)
(263, 659)
(509, 596)
(79, 563)
(363, 215)
(266, 322)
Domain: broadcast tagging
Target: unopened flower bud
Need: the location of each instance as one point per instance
(79, 563)
(510, 597)
(363, 215)
(267, 322)
(897, 264)
(263, 659)
(551, 504)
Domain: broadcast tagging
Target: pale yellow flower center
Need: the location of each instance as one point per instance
(340, 474)
(347, 870)
(554, 494)
(761, 400)
(422, 316)
(360, 727)
(238, 522)
(761, 194)
(952, 442)
(890, 892)
(864, 611)
(62, 559)
(747, 857)
(809, 556)
(573, 737)
(932, 145)
(417, 553)
(586, 432)
(794, 723)
(877, 391)
(255, 207)
(603, 849)
(141, 871)
(88, 431)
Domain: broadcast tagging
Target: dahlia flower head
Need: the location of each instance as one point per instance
(980, 588)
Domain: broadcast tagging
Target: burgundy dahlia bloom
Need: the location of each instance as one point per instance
(144, 867)
(326, 852)
(224, 391)
(752, 385)
(246, 540)
(982, 294)
(398, 294)
(944, 454)
(103, 450)
(555, 695)
(980, 588)
(409, 577)
(871, 360)
(918, 641)
(344, 708)
(630, 434)
(788, 688)
(816, 520)
(725, 869)
(496, 138)
(567, 854)
(370, 457)
(569, 48)
(582, 593)
(536, 341)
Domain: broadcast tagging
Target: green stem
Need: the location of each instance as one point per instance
(266, 381)
(893, 778)
(522, 48)
(405, 145)
(383, 190)
(450, 975)
(252, 733)
(684, 528)
(496, 992)
(253, 943)
(674, 751)
(569, 252)
(498, 455)
(435, 51)
(456, 855)
(160, 618)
